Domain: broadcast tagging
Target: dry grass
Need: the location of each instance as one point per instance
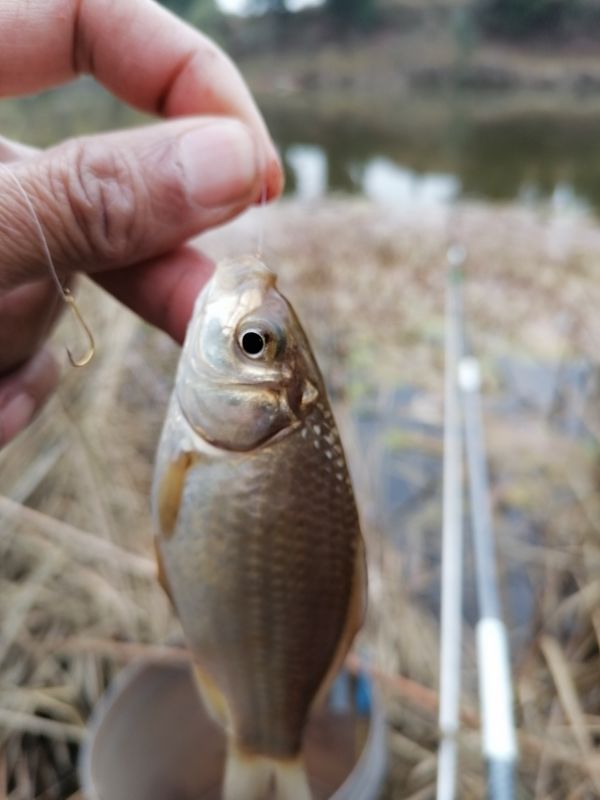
(78, 597)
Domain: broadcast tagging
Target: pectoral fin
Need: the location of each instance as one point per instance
(170, 490)
(214, 699)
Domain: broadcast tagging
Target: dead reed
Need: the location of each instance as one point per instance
(78, 597)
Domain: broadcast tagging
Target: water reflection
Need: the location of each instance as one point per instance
(380, 179)
(310, 168)
(387, 182)
(384, 181)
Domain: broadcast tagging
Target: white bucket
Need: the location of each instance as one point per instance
(150, 739)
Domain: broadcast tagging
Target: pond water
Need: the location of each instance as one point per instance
(415, 149)
(438, 149)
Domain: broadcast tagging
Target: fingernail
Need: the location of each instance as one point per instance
(15, 416)
(219, 163)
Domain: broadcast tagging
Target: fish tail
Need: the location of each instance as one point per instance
(252, 777)
(291, 780)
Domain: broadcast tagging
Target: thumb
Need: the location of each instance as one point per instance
(116, 199)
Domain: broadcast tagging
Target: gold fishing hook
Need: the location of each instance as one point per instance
(65, 293)
(80, 362)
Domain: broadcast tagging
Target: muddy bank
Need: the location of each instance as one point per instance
(437, 47)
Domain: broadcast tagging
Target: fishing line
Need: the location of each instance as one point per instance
(260, 235)
(64, 292)
(39, 229)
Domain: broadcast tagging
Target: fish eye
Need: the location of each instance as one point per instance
(260, 340)
(253, 343)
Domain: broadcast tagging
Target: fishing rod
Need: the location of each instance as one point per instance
(452, 537)
(495, 684)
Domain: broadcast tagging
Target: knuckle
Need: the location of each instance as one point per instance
(104, 197)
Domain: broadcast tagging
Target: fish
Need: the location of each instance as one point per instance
(258, 538)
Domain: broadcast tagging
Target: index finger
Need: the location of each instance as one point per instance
(141, 52)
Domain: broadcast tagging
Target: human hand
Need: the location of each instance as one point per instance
(121, 205)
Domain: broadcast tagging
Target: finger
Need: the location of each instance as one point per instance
(140, 51)
(27, 313)
(162, 291)
(118, 199)
(24, 391)
(15, 151)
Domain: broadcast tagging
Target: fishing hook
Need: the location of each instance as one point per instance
(80, 362)
(65, 293)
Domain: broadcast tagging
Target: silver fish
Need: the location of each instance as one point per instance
(258, 537)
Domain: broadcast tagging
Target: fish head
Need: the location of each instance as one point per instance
(247, 373)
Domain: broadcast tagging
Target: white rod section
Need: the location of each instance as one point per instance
(452, 539)
(495, 683)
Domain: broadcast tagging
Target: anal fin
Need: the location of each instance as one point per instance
(213, 697)
(170, 490)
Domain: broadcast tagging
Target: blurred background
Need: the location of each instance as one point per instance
(404, 126)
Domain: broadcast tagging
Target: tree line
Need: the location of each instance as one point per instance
(502, 17)
(351, 11)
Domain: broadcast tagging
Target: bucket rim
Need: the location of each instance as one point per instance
(368, 773)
